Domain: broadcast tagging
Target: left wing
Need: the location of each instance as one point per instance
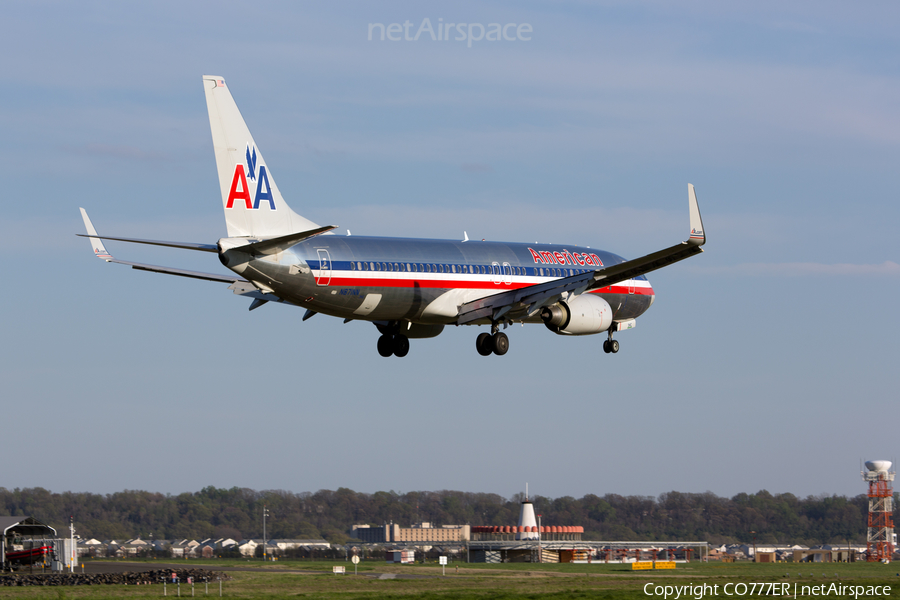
(239, 285)
(532, 298)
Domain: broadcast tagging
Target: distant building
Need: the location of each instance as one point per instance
(161, 546)
(248, 547)
(291, 544)
(91, 547)
(219, 543)
(418, 533)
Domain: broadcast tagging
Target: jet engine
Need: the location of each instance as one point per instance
(583, 315)
(410, 330)
(421, 330)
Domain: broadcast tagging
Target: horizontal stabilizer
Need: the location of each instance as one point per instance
(282, 243)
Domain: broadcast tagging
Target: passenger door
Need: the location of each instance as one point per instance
(324, 277)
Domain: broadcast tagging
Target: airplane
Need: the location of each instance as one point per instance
(408, 288)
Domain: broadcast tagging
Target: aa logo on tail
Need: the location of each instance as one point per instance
(241, 191)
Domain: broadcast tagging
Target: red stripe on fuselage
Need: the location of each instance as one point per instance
(337, 281)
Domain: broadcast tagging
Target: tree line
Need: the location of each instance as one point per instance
(237, 513)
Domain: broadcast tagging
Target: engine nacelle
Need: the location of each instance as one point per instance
(411, 330)
(422, 330)
(583, 315)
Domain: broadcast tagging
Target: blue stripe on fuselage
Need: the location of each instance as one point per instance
(357, 249)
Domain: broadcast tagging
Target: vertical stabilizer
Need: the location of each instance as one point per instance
(253, 205)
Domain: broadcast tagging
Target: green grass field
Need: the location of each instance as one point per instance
(314, 579)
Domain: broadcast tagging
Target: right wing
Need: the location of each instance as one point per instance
(532, 298)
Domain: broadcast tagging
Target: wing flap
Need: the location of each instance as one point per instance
(527, 297)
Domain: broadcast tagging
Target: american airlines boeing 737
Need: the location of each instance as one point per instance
(408, 288)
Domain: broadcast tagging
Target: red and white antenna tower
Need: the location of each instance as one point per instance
(880, 537)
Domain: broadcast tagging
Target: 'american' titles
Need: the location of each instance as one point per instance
(565, 257)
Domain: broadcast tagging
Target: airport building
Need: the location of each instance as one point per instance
(528, 541)
(419, 533)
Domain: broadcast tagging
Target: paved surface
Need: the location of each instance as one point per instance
(121, 567)
(97, 567)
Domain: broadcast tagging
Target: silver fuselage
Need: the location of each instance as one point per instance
(421, 281)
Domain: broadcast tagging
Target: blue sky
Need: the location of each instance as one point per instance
(768, 362)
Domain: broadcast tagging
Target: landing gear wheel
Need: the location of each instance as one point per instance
(613, 346)
(606, 346)
(500, 343)
(484, 344)
(386, 345)
(401, 345)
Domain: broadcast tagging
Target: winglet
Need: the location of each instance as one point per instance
(99, 250)
(698, 237)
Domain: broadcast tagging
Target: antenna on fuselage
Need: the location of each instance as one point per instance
(466, 236)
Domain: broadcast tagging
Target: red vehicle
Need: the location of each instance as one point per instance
(28, 556)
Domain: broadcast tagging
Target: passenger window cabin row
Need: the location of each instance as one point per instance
(464, 269)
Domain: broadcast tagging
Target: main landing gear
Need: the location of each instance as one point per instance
(393, 344)
(494, 342)
(611, 346)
